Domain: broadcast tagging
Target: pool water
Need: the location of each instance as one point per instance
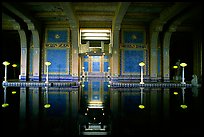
(95, 108)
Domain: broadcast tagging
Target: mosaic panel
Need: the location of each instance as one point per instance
(95, 86)
(59, 59)
(133, 37)
(57, 36)
(130, 61)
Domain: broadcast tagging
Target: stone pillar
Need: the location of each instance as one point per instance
(23, 66)
(115, 54)
(36, 56)
(166, 62)
(75, 51)
(153, 56)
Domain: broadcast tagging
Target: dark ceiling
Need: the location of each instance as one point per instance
(95, 14)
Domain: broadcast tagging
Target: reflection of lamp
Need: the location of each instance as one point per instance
(141, 106)
(5, 104)
(5, 63)
(183, 65)
(14, 71)
(47, 64)
(183, 105)
(46, 104)
(141, 64)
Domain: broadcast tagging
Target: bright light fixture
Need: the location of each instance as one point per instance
(141, 106)
(183, 64)
(5, 105)
(95, 34)
(141, 64)
(47, 106)
(175, 67)
(183, 106)
(95, 38)
(47, 63)
(6, 63)
(95, 30)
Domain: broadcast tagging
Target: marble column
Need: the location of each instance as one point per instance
(153, 56)
(75, 51)
(115, 54)
(23, 65)
(166, 62)
(36, 55)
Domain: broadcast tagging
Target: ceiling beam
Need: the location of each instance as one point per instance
(119, 14)
(69, 12)
(23, 14)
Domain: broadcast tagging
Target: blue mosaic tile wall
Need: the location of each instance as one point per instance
(131, 59)
(59, 59)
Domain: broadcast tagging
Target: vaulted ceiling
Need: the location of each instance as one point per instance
(93, 14)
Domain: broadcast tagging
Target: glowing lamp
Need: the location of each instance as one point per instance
(141, 106)
(183, 64)
(47, 63)
(183, 106)
(175, 93)
(6, 63)
(175, 67)
(47, 106)
(5, 105)
(141, 64)
(14, 65)
(13, 92)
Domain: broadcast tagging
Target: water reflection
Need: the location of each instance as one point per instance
(97, 109)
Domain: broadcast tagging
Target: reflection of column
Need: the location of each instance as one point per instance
(114, 106)
(34, 111)
(166, 105)
(46, 102)
(183, 105)
(154, 102)
(74, 103)
(5, 104)
(22, 109)
(141, 106)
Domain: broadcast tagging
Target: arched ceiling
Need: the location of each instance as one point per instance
(90, 14)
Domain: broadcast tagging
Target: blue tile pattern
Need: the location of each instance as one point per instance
(57, 36)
